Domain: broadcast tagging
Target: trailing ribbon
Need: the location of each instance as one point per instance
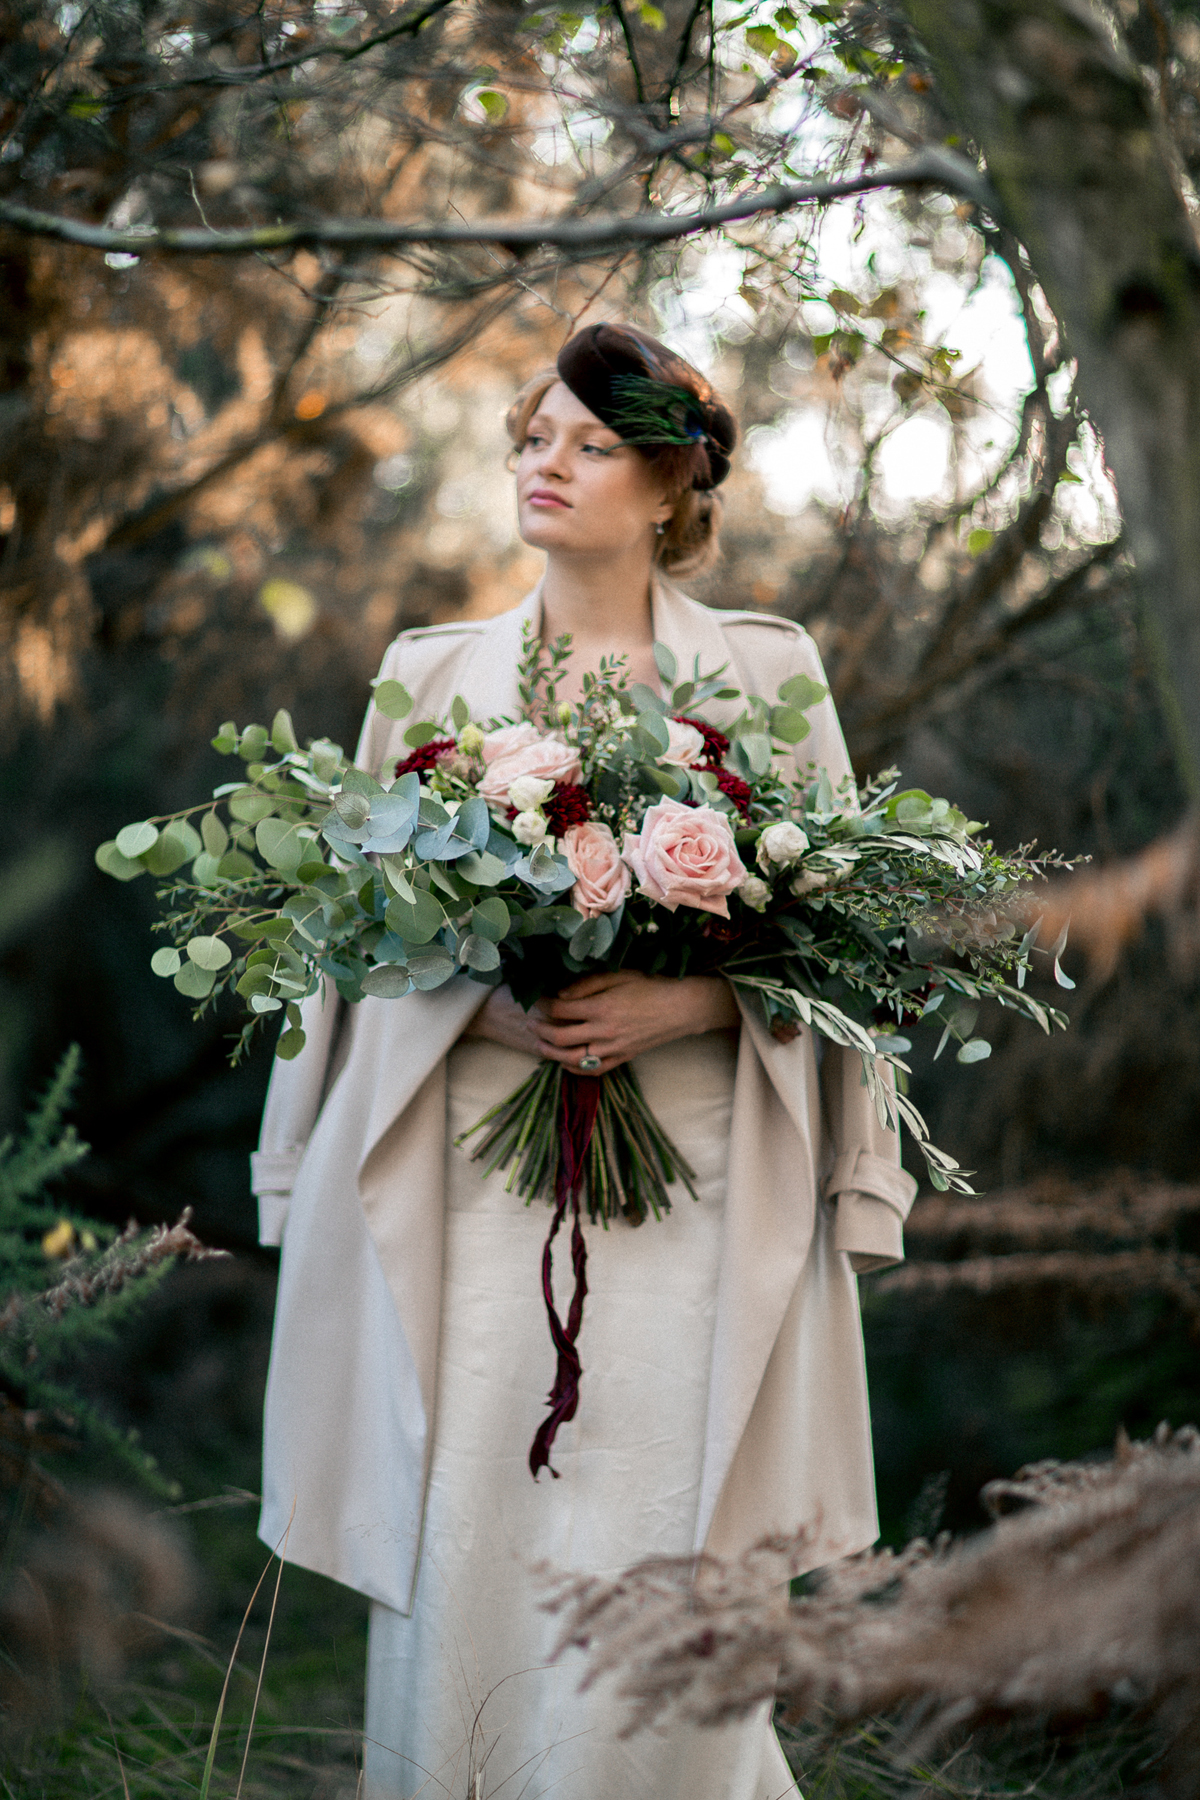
(576, 1122)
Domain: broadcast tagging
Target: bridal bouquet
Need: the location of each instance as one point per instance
(624, 831)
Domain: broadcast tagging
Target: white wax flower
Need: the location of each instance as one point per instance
(529, 827)
(685, 744)
(529, 791)
(780, 845)
(755, 892)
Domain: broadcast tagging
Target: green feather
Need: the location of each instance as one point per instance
(645, 411)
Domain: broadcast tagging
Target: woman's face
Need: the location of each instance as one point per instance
(580, 490)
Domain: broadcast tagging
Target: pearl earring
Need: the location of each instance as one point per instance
(660, 529)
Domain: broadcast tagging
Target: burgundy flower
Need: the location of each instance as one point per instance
(716, 744)
(568, 805)
(422, 760)
(737, 790)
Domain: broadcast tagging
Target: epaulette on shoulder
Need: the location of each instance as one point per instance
(452, 628)
(772, 620)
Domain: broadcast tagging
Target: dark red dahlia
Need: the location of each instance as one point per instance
(716, 744)
(737, 790)
(422, 760)
(568, 805)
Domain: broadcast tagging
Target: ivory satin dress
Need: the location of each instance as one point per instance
(724, 1389)
(462, 1686)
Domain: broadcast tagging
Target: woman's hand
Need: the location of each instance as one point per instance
(614, 1016)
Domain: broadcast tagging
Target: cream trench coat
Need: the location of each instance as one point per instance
(350, 1177)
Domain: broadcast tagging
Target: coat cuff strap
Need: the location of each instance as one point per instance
(858, 1172)
(274, 1171)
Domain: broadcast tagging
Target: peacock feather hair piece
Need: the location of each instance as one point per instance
(645, 411)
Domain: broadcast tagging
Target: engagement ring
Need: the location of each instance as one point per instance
(588, 1061)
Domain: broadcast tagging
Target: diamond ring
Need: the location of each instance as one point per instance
(588, 1061)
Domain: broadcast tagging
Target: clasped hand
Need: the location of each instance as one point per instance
(614, 1016)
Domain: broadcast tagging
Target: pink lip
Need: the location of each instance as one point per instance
(542, 497)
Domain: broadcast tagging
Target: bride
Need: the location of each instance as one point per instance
(724, 1395)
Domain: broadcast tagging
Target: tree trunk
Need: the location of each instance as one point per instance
(1085, 179)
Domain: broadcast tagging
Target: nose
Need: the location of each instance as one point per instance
(550, 461)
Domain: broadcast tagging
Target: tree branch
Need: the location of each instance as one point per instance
(933, 168)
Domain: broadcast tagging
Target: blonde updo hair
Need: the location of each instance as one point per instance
(690, 543)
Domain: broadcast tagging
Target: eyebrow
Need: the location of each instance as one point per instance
(581, 430)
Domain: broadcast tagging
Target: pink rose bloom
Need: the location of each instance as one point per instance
(546, 757)
(508, 738)
(601, 878)
(685, 856)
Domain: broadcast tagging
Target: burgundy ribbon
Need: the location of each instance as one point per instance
(576, 1121)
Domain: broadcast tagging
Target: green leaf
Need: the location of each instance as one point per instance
(195, 982)
(763, 39)
(253, 743)
(208, 952)
(135, 840)
(392, 699)
(265, 1003)
(494, 105)
(283, 733)
(460, 712)
(226, 740)
(110, 860)
(651, 16)
(480, 868)
(166, 961)
(757, 747)
(417, 921)
(206, 870)
(654, 727)
(235, 865)
(789, 724)
(249, 806)
(352, 809)
(665, 663)
(973, 1051)
(177, 843)
(430, 968)
(214, 835)
(478, 953)
(593, 937)
(424, 733)
(979, 540)
(489, 919)
(801, 692)
(280, 844)
(290, 1044)
(387, 981)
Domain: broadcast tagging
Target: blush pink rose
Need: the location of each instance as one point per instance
(546, 757)
(601, 879)
(507, 739)
(685, 856)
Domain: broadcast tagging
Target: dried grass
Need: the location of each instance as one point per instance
(1084, 1594)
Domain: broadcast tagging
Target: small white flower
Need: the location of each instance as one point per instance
(781, 845)
(685, 745)
(470, 740)
(528, 792)
(808, 883)
(529, 827)
(755, 892)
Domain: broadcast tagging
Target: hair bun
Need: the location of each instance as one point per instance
(649, 396)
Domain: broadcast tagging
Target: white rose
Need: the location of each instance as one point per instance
(781, 844)
(808, 883)
(685, 746)
(755, 893)
(529, 827)
(528, 792)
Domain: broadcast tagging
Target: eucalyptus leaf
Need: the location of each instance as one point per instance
(645, 699)
(801, 692)
(387, 981)
(283, 733)
(280, 844)
(665, 663)
(265, 1003)
(460, 712)
(253, 743)
(206, 870)
(789, 724)
(392, 699)
(226, 740)
(481, 868)
(757, 748)
(195, 982)
(166, 961)
(208, 952)
(352, 809)
(418, 921)
(489, 919)
(423, 733)
(249, 805)
(214, 835)
(973, 1051)
(135, 840)
(478, 953)
(235, 865)
(290, 1044)
(430, 968)
(171, 851)
(110, 860)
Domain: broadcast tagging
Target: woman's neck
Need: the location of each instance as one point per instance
(602, 602)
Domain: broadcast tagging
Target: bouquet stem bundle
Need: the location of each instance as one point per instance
(572, 1138)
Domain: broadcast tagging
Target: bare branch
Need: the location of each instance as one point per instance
(932, 168)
